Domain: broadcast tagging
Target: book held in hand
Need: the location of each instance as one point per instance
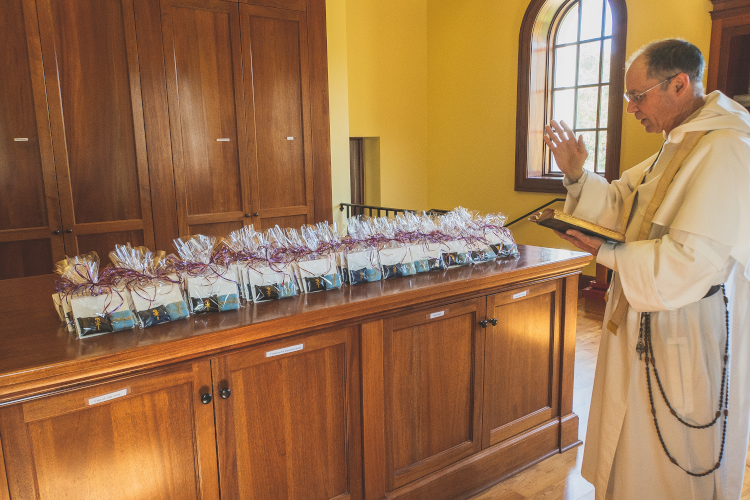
(560, 221)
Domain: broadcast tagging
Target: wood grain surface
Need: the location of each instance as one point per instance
(47, 352)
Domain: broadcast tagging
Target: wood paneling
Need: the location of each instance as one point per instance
(291, 221)
(206, 106)
(218, 229)
(29, 208)
(281, 4)
(277, 90)
(103, 243)
(4, 493)
(433, 381)
(521, 369)
(25, 258)
(319, 100)
(93, 85)
(284, 430)
(157, 441)
(156, 120)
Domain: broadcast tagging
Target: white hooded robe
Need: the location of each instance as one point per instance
(700, 237)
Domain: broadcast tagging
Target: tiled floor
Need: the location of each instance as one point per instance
(559, 477)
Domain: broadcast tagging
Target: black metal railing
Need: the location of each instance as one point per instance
(534, 211)
(373, 211)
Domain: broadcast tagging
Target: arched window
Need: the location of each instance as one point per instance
(571, 68)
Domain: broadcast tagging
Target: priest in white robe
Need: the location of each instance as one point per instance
(684, 236)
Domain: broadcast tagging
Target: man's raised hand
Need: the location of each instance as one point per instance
(570, 154)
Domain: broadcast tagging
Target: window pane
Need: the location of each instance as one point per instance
(608, 22)
(602, 153)
(591, 19)
(565, 67)
(604, 106)
(588, 66)
(589, 139)
(568, 30)
(563, 106)
(605, 60)
(553, 165)
(587, 106)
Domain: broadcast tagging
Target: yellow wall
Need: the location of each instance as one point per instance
(339, 103)
(436, 80)
(387, 67)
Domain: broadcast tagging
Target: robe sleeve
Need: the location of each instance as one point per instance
(670, 272)
(594, 199)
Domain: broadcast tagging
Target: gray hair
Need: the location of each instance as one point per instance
(665, 58)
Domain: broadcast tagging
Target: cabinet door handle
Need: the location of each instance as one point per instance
(225, 393)
(493, 321)
(68, 231)
(56, 231)
(248, 215)
(206, 398)
(483, 323)
(256, 214)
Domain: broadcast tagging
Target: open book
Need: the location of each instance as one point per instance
(560, 221)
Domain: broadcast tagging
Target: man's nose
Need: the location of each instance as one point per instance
(632, 106)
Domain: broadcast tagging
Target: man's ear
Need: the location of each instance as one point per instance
(682, 82)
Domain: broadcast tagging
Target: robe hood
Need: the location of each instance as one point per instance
(721, 209)
(718, 113)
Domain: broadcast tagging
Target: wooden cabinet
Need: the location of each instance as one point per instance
(433, 363)
(432, 386)
(142, 120)
(521, 362)
(142, 437)
(464, 378)
(729, 61)
(206, 104)
(29, 207)
(94, 97)
(289, 426)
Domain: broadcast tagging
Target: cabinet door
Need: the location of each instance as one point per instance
(142, 437)
(433, 389)
(29, 207)
(206, 109)
(96, 114)
(289, 428)
(277, 89)
(521, 367)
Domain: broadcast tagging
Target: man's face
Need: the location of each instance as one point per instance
(657, 109)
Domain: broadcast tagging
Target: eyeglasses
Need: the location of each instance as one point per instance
(637, 98)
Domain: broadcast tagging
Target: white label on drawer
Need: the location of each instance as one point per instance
(290, 138)
(521, 294)
(21, 139)
(285, 350)
(222, 139)
(437, 314)
(108, 397)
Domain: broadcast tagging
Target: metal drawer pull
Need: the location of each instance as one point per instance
(493, 321)
(225, 393)
(483, 323)
(206, 398)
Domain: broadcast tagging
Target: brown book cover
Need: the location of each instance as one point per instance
(560, 221)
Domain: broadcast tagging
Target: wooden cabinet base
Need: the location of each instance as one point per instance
(480, 471)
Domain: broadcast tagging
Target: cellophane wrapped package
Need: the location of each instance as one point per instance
(455, 250)
(317, 268)
(271, 277)
(155, 290)
(210, 282)
(425, 242)
(362, 254)
(98, 305)
(250, 253)
(473, 233)
(395, 258)
(499, 237)
(330, 235)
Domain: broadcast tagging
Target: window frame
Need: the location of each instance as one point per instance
(534, 93)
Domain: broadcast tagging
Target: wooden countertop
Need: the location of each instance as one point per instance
(38, 355)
